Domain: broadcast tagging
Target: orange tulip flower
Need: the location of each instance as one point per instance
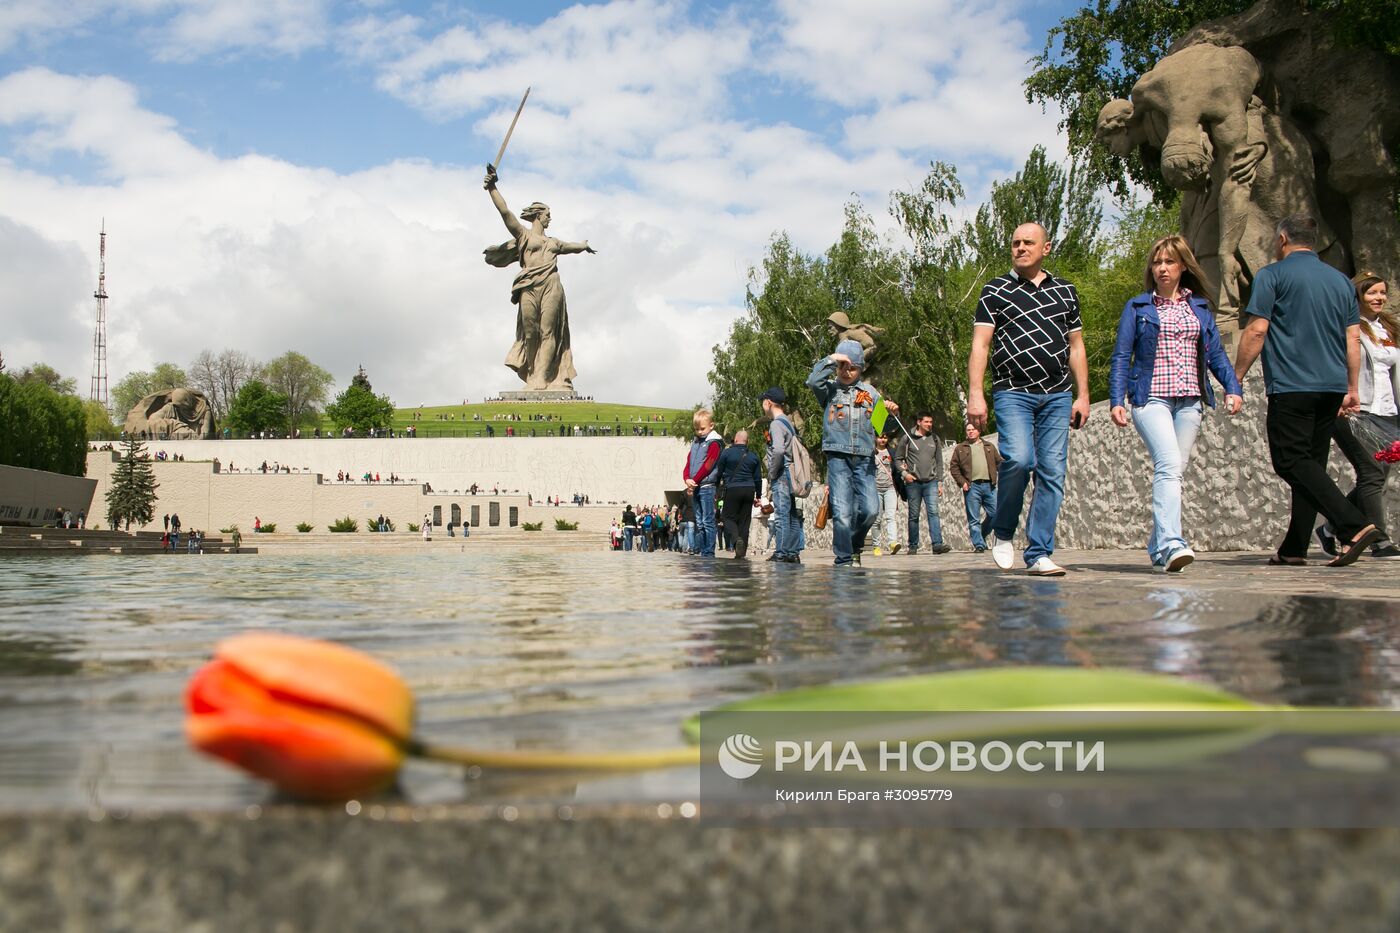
(321, 721)
(326, 722)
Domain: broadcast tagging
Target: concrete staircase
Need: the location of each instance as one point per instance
(21, 539)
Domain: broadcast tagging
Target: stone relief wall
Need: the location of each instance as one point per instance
(1260, 115)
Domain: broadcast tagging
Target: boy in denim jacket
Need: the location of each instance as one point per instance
(848, 441)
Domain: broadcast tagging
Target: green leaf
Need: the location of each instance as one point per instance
(1020, 688)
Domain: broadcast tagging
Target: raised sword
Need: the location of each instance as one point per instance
(492, 167)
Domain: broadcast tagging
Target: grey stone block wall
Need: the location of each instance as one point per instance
(310, 871)
(1231, 498)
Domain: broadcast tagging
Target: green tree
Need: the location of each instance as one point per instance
(41, 429)
(220, 377)
(1099, 52)
(359, 409)
(924, 296)
(256, 408)
(138, 384)
(99, 421)
(47, 375)
(131, 493)
(304, 385)
(1061, 200)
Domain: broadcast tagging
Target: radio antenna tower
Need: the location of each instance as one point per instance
(98, 392)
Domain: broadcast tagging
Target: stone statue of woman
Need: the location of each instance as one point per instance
(541, 355)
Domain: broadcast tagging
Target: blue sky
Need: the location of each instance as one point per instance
(301, 174)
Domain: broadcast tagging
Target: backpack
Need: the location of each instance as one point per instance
(801, 475)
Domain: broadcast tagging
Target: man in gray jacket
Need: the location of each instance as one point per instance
(919, 460)
(787, 542)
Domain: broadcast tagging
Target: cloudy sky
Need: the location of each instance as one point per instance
(304, 174)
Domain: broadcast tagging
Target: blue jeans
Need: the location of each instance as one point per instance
(980, 500)
(854, 502)
(627, 532)
(1034, 435)
(705, 521)
(688, 537)
(924, 495)
(1168, 427)
(783, 522)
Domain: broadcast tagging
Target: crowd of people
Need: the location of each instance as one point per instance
(170, 536)
(1331, 367)
(66, 518)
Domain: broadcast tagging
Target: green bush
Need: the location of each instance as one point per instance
(531, 526)
(372, 523)
(346, 524)
(561, 525)
(41, 429)
(303, 527)
(414, 527)
(269, 527)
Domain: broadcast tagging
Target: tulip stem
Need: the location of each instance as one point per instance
(556, 761)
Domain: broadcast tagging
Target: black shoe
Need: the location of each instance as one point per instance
(1389, 552)
(941, 549)
(1328, 541)
(979, 549)
(770, 560)
(912, 551)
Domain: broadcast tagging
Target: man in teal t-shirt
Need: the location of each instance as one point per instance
(1304, 317)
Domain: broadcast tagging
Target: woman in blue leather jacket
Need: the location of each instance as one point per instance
(1167, 340)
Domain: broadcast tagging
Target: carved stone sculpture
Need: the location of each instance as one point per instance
(172, 414)
(541, 355)
(1240, 167)
(1239, 114)
(841, 328)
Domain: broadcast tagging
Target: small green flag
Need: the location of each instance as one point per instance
(877, 420)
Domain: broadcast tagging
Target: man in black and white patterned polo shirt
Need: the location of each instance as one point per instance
(1029, 320)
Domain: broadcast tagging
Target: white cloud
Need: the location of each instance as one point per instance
(179, 30)
(93, 116)
(381, 267)
(938, 75)
(202, 27)
(632, 135)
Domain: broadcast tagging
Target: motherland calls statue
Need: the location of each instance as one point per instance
(541, 355)
(171, 414)
(1264, 114)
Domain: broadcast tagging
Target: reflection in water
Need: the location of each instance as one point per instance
(593, 651)
(1330, 651)
(35, 655)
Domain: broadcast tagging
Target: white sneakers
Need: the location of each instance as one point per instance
(1179, 559)
(1045, 567)
(1003, 552)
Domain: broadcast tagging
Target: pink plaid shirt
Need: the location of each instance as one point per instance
(1176, 372)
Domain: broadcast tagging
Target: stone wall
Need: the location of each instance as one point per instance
(209, 500)
(33, 497)
(606, 469)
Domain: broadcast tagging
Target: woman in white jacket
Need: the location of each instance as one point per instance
(1378, 422)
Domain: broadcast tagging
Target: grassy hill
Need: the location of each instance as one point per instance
(459, 420)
